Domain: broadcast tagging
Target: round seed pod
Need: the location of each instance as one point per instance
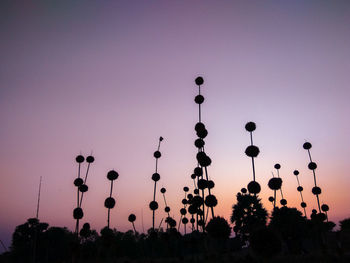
(161, 138)
(283, 202)
(199, 99)
(296, 172)
(199, 81)
(153, 205)
(316, 190)
(78, 182)
(271, 199)
(250, 126)
(167, 209)
(325, 208)
(196, 191)
(197, 201)
(277, 166)
(254, 187)
(171, 222)
(202, 133)
(193, 176)
(198, 171)
(79, 159)
(162, 190)
(155, 177)
(312, 166)
(157, 154)
(184, 201)
(189, 196)
(211, 184)
(86, 226)
(314, 211)
(192, 220)
(244, 190)
(83, 188)
(202, 184)
(109, 202)
(186, 189)
(132, 218)
(252, 151)
(199, 143)
(112, 175)
(211, 201)
(307, 146)
(184, 220)
(199, 126)
(303, 204)
(183, 211)
(192, 209)
(78, 213)
(322, 216)
(90, 159)
(300, 188)
(275, 183)
(200, 222)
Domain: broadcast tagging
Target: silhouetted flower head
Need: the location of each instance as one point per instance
(199, 143)
(162, 190)
(275, 183)
(109, 202)
(184, 201)
(203, 159)
(283, 201)
(202, 184)
(316, 190)
(307, 146)
(155, 177)
(189, 196)
(192, 220)
(184, 220)
(312, 166)
(83, 188)
(211, 201)
(161, 138)
(300, 188)
(202, 133)
(197, 200)
(199, 81)
(192, 209)
(296, 172)
(198, 171)
(169, 220)
(157, 154)
(252, 151)
(183, 211)
(303, 204)
(86, 226)
(322, 216)
(132, 218)
(199, 126)
(211, 184)
(271, 199)
(167, 209)
(196, 191)
(186, 189)
(112, 175)
(90, 159)
(193, 176)
(78, 182)
(199, 99)
(153, 205)
(200, 222)
(79, 159)
(78, 213)
(250, 126)
(277, 166)
(244, 190)
(325, 208)
(254, 187)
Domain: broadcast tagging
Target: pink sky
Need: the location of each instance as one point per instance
(113, 77)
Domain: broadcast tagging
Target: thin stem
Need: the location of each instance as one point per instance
(253, 169)
(109, 214)
(133, 226)
(318, 203)
(274, 199)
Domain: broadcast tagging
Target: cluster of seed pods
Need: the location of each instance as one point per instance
(283, 201)
(153, 205)
(167, 208)
(252, 151)
(197, 203)
(275, 184)
(316, 190)
(183, 211)
(80, 183)
(110, 201)
(300, 190)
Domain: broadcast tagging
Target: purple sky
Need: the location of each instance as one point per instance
(111, 77)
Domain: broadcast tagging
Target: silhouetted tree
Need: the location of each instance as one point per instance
(218, 228)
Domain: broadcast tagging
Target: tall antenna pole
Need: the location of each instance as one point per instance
(37, 207)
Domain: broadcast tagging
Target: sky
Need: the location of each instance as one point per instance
(109, 78)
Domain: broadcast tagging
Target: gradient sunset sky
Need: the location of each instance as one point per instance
(110, 77)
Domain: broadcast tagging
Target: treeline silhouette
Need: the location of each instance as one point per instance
(284, 234)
